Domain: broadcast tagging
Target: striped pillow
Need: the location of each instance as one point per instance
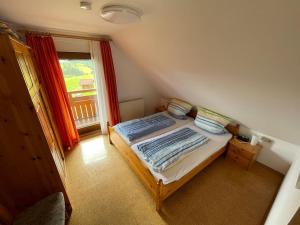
(178, 108)
(224, 120)
(211, 121)
(209, 125)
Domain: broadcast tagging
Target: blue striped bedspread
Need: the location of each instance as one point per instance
(162, 152)
(138, 128)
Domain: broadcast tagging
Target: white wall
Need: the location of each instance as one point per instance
(285, 158)
(131, 80)
(237, 57)
(71, 45)
(278, 154)
(287, 200)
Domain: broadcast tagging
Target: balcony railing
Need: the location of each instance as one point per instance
(84, 107)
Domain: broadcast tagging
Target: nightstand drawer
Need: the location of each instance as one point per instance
(241, 152)
(238, 159)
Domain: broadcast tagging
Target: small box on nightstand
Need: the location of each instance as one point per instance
(242, 153)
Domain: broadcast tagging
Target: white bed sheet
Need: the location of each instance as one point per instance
(179, 123)
(189, 161)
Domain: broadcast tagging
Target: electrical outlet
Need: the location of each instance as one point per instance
(265, 139)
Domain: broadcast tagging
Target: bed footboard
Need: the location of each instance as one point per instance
(154, 186)
(109, 130)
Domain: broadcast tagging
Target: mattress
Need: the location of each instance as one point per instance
(189, 161)
(179, 123)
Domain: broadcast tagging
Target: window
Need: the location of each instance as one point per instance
(79, 76)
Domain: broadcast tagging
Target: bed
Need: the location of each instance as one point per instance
(178, 123)
(162, 185)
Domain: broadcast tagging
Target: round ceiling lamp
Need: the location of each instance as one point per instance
(120, 14)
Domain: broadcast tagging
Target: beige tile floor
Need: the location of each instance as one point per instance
(104, 190)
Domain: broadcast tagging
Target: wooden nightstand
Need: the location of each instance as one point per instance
(242, 153)
(160, 108)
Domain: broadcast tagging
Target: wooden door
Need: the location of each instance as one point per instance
(31, 166)
(24, 58)
(49, 134)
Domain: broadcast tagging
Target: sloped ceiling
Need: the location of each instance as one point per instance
(238, 57)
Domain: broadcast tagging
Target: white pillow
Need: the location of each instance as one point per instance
(211, 121)
(209, 125)
(178, 108)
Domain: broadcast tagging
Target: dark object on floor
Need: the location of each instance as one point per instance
(243, 138)
(48, 211)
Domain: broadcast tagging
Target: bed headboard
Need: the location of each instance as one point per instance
(232, 128)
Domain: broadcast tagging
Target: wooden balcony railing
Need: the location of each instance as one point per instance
(84, 106)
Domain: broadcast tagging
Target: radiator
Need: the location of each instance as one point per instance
(132, 109)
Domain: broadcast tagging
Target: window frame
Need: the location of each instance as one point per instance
(74, 55)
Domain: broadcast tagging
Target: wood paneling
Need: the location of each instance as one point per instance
(31, 158)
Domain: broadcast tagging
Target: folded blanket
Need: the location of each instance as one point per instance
(137, 128)
(162, 152)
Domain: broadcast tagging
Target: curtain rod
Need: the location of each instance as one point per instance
(107, 38)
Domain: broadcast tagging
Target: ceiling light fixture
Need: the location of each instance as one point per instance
(120, 14)
(85, 5)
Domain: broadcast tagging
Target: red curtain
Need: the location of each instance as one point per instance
(110, 81)
(53, 81)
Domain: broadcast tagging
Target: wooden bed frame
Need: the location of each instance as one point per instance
(159, 190)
